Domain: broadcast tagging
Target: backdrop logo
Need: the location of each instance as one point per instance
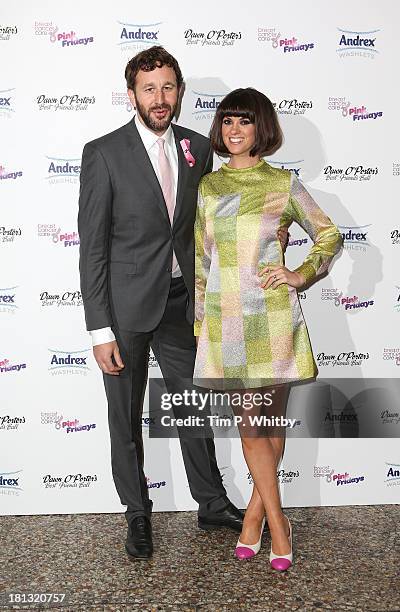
(212, 37)
(8, 422)
(69, 481)
(349, 111)
(7, 367)
(147, 420)
(390, 418)
(9, 174)
(396, 169)
(155, 485)
(392, 474)
(153, 363)
(323, 471)
(63, 170)
(286, 44)
(138, 36)
(298, 242)
(286, 477)
(395, 236)
(355, 237)
(121, 98)
(67, 102)
(67, 299)
(352, 302)
(67, 363)
(10, 483)
(392, 354)
(292, 107)
(66, 239)
(9, 234)
(205, 104)
(60, 37)
(360, 44)
(397, 302)
(66, 425)
(292, 166)
(344, 359)
(44, 28)
(338, 479)
(7, 31)
(8, 300)
(7, 101)
(351, 173)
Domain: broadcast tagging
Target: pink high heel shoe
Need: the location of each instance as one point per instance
(282, 562)
(247, 551)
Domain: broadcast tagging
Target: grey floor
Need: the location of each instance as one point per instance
(345, 559)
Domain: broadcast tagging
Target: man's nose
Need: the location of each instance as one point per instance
(159, 96)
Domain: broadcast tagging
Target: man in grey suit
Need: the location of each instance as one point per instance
(136, 214)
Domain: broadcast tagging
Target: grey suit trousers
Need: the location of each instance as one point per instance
(174, 346)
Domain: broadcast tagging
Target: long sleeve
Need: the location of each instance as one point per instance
(325, 235)
(94, 226)
(202, 263)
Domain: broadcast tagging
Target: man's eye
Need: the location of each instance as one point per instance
(148, 89)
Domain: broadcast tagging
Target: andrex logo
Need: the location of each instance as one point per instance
(292, 166)
(355, 237)
(135, 36)
(356, 43)
(10, 483)
(8, 299)
(63, 170)
(205, 104)
(7, 102)
(392, 474)
(68, 362)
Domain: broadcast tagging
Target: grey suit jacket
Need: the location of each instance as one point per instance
(125, 233)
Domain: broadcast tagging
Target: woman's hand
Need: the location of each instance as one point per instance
(278, 275)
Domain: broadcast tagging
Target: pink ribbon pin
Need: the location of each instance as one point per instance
(185, 144)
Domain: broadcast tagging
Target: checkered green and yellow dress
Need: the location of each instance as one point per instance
(249, 336)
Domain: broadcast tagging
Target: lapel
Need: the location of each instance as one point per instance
(145, 167)
(183, 170)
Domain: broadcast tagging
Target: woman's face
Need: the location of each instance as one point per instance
(238, 135)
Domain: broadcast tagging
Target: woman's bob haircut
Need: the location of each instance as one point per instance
(256, 107)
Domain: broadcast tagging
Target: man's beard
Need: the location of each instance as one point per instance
(156, 125)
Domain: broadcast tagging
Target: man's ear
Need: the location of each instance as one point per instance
(132, 98)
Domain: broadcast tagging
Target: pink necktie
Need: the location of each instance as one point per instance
(167, 186)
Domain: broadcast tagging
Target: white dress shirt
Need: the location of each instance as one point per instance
(149, 139)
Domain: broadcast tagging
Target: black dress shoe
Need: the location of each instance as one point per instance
(139, 543)
(230, 517)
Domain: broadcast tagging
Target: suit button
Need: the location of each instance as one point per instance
(169, 269)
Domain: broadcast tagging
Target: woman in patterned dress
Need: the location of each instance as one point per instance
(250, 327)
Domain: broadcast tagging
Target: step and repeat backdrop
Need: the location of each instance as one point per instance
(329, 71)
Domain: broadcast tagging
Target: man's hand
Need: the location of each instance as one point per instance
(108, 358)
(283, 237)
